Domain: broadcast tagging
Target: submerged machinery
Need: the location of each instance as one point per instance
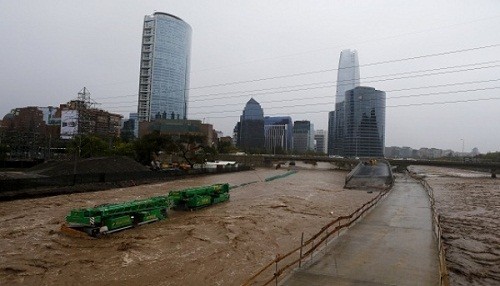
(196, 198)
(109, 218)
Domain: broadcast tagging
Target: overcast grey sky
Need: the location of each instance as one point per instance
(52, 49)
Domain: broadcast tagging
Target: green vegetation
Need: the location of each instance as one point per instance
(493, 156)
(88, 146)
(226, 147)
(4, 149)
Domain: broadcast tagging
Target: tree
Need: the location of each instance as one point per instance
(225, 147)
(88, 146)
(149, 146)
(4, 149)
(124, 149)
(493, 156)
(191, 148)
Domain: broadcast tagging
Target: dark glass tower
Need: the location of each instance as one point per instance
(251, 128)
(364, 122)
(303, 136)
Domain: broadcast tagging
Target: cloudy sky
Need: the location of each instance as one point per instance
(438, 61)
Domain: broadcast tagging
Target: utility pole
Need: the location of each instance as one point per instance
(82, 103)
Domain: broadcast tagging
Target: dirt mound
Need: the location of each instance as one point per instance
(88, 166)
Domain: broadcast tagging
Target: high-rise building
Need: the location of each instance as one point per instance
(251, 127)
(278, 133)
(347, 74)
(347, 78)
(320, 138)
(364, 122)
(331, 129)
(303, 136)
(164, 69)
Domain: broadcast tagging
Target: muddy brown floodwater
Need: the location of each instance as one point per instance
(219, 245)
(469, 207)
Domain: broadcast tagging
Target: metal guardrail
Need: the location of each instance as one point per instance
(443, 269)
(266, 275)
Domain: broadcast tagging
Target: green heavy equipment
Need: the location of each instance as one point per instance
(114, 217)
(109, 218)
(195, 198)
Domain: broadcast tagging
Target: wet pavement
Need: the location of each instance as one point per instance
(393, 245)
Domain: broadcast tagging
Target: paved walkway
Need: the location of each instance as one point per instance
(393, 245)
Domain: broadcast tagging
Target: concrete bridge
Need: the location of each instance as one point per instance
(349, 163)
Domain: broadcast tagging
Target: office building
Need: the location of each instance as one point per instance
(278, 133)
(364, 122)
(178, 127)
(348, 77)
(303, 136)
(78, 117)
(331, 130)
(348, 73)
(320, 138)
(164, 68)
(251, 128)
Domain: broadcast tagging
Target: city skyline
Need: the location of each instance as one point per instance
(436, 61)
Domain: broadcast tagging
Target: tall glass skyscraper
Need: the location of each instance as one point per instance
(348, 73)
(165, 67)
(364, 122)
(347, 79)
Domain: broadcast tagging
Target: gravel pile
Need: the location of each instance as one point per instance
(87, 166)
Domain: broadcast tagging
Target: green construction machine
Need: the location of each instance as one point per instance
(109, 218)
(195, 198)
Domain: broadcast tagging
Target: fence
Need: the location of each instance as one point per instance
(443, 270)
(285, 263)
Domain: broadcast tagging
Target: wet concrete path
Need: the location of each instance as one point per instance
(393, 245)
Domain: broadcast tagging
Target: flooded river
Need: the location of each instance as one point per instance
(468, 204)
(220, 245)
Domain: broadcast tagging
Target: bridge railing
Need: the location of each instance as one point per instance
(443, 269)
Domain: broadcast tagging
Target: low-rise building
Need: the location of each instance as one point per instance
(179, 127)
